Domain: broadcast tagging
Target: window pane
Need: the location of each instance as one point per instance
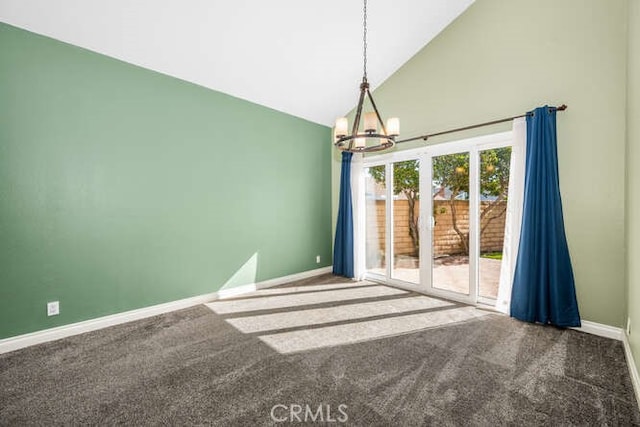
(450, 233)
(494, 185)
(406, 211)
(375, 198)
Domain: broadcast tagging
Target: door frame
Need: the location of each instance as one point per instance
(424, 155)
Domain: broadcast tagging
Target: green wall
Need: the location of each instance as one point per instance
(122, 188)
(505, 57)
(633, 176)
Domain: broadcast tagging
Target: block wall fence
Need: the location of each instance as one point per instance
(447, 241)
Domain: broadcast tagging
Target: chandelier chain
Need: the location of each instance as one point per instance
(374, 135)
(364, 39)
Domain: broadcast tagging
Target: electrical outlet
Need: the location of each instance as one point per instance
(53, 308)
(628, 326)
(317, 259)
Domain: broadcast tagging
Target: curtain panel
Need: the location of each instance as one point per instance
(343, 245)
(543, 285)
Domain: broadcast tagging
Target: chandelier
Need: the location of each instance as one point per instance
(369, 138)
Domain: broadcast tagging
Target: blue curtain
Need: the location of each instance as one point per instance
(343, 245)
(543, 286)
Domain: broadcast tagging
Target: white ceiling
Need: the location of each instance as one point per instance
(300, 57)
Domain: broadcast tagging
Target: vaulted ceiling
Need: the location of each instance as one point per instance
(303, 58)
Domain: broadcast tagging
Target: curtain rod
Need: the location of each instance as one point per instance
(508, 119)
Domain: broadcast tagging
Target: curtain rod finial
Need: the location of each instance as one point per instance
(562, 107)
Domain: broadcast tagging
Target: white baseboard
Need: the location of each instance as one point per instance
(601, 330)
(633, 370)
(38, 337)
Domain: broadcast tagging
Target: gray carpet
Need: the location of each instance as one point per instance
(194, 367)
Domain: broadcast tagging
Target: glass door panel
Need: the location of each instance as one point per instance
(450, 244)
(406, 211)
(494, 185)
(450, 226)
(375, 219)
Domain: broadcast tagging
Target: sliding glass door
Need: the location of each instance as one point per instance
(375, 220)
(492, 212)
(451, 224)
(406, 213)
(447, 239)
(392, 212)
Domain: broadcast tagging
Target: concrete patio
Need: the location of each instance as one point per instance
(451, 273)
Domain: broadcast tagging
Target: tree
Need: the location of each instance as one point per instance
(494, 182)
(451, 174)
(406, 180)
